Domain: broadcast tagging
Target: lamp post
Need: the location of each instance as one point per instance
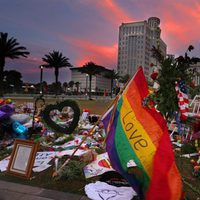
(87, 84)
(41, 79)
(4, 83)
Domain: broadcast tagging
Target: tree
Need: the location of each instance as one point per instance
(65, 86)
(91, 69)
(125, 78)
(77, 86)
(112, 75)
(71, 85)
(55, 88)
(9, 48)
(45, 87)
(13, 80)
(56, 60)
(171, 70)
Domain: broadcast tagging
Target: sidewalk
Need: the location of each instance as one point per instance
(14, 191)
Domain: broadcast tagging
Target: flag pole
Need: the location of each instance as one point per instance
(77, 148)
(91, 131)
(114, 109)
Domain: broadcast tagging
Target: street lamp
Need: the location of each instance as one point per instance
(41, 79)
(87, 84)
(4, 83)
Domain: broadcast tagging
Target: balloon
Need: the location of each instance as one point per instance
(8, 109)
(19, 130)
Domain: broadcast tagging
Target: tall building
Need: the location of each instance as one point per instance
(135, 43)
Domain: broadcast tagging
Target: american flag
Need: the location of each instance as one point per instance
(182, 94)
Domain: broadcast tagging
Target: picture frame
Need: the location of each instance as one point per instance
(22, 158)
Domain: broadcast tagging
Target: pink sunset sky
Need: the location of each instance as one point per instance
(87, 30)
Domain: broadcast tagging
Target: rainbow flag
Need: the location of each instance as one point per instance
(139, 133)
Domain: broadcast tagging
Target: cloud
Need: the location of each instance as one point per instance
(27, 66)
(30, 60)
(89, 51)
(111, 11)
(180, 24)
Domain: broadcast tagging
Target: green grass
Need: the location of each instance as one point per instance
(95, 106)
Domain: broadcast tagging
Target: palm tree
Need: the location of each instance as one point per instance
(124, 79)
(9, 48)
(112, 75)
(77, 86)
(56, 60)
(65, 86)
(71, 85)
(91, 69)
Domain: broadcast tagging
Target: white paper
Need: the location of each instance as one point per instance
(42, 162)
(189, 155)
(22, 158)
(84, 116)
(4, 164)
(79, 152)
(177, 144)
(45, 154)
(131, 163)
(41, 168)
(43, 158)
(98, 167)
(72, 143)
(104, 191)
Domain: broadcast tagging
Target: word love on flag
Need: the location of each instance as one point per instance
(132, 131)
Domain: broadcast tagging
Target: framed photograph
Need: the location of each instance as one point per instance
(22, 158)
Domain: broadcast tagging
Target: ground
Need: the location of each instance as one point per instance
(44, 179)
(191, 184)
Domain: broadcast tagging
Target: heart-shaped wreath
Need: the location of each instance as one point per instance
(62, 117)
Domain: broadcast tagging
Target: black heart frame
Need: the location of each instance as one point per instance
(59, 106)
